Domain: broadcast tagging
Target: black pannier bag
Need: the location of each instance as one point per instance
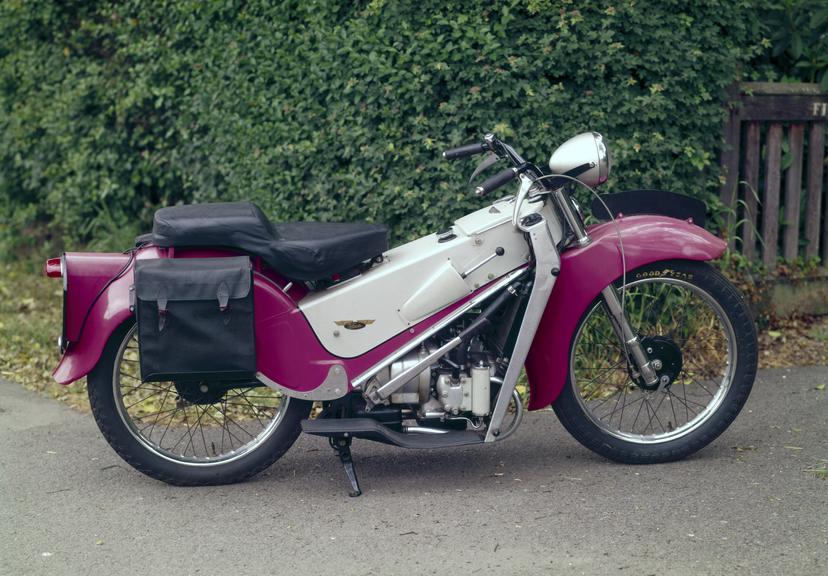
(195, 319)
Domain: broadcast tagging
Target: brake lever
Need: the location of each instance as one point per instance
(487, 162)
(525, 185)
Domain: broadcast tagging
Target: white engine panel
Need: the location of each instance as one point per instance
(416, 280)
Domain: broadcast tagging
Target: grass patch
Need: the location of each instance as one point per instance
(820, 472)
(30, 323)
(799, 341)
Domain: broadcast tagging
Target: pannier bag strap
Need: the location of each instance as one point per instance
(223, 294)
(162, 312)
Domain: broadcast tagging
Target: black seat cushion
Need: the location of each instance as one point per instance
(298, 250)
(315, 250)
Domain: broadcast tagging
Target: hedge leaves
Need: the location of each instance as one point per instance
(338, 110)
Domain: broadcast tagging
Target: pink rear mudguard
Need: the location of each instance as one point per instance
(586, 271)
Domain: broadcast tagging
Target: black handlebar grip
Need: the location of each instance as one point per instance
(462, 151)
(496, 181)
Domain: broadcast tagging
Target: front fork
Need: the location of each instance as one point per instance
(632, 344)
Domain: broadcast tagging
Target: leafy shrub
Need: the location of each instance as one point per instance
(338, 110)
(795, 37)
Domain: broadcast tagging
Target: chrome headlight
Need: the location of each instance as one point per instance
(587, 148)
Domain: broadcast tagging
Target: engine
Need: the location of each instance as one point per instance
(451, 379)
(442, 390)
(459, 386)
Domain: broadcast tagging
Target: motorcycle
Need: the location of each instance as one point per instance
(210, 344)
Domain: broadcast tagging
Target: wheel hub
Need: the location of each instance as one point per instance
(197, 392)
(666, 358)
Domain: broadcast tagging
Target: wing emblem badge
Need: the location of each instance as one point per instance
(354, 324)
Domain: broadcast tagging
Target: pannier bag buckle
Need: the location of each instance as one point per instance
(162, 314)
(223, 294)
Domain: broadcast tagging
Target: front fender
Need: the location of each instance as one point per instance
(588, 270)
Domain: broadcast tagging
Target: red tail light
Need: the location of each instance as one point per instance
(53, 268)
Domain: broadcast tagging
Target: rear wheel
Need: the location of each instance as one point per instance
(698, 332)
(193, 433)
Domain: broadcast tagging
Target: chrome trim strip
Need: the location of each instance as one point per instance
(360, 380)
(547, 261)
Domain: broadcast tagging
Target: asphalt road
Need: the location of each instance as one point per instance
(536, 504)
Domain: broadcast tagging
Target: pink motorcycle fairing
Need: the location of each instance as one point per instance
(287, 350)
(588, 270)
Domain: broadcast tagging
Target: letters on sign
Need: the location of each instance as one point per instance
(820, 108)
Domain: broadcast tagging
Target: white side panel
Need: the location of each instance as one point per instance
(371, 304)
(443, 288)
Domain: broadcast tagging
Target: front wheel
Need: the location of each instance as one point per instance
(699, 333)
(188, 433)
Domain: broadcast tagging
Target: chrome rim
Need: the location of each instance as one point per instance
(673, 310)
(204, 424)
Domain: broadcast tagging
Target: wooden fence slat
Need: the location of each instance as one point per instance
(816, 152)
(770, 206)
(766, 109)
(793, 189)
(825, 226)
(751, 172)
(730, 163)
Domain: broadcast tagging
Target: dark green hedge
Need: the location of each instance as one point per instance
(338, 110)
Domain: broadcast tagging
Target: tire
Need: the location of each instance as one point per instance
(662, 302)
(125, 429)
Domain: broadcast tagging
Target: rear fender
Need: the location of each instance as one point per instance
(87, 273)
(588, 270)
(94, 306)
(88, 328)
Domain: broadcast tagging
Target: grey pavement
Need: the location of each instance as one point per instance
(538, 503)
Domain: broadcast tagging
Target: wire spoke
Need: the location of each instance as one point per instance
(130, 376)
(255, 411)
(622, 408)
(637, 414)
(172, 417)
(163, 402)
(154, 422)
(144, 398)
(687, 408)
(201, 429)
(655, 413)
(223, 429)
(187, 431)
(242, 428)
(673, 409)
(182, 429)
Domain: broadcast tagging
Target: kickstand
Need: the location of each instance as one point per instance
(342, 445)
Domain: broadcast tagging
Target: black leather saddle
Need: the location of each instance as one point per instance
(297, 250)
